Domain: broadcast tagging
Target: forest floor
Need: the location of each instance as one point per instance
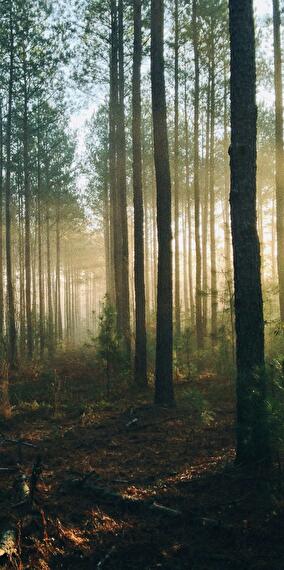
(127, 486)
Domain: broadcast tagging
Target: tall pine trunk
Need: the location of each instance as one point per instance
(139, 277)
(164, 393)
(198, 292)
(121, 188)
(27, 214)
(279, 152)
(1, 233)
(176, 173)
(252, 444)
(12, 337)
(214, 293)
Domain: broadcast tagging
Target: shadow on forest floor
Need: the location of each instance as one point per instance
(104, 469)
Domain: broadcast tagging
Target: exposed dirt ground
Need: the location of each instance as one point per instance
(177, 458)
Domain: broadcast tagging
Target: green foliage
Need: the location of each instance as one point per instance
(110, 355)
(275, 405)
(224, 354)
(184, 361)
(198, 404)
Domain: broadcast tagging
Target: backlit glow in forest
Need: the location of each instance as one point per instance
(141, 284)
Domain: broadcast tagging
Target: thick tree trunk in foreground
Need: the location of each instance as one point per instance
(252, 444)
(140, 318)
(279, 152)
(164, 344)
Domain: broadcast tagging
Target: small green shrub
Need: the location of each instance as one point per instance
(196, 401)
(110, 355)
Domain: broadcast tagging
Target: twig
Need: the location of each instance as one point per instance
(106, 558)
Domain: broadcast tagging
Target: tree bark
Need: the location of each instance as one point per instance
(176, 173)
(12, 336)
(214, 292)
(198, 292)
(121, 187)
(279, 152)
(164, 393)
(140, 371)
(252, 441)
(27, 214)
(1, 233)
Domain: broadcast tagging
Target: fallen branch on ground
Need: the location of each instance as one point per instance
(106, 558)
(123, 501)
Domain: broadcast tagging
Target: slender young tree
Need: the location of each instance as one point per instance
(252, 442)
(140, 317)
(164, 393)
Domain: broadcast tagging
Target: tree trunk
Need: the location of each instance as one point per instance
(176, 174)
(58, 315)
(198, 293)
(27, 215)
(12, 337)
(1, 234)
(164, 393)
(40, 267)
(227, 236)
(205, 211)
(49, 287)
(188, 194)
(252, 441)
(279, 152)
(140, 318)
(121, 189)
(214, 292)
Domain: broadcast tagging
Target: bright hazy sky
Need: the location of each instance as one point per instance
(78, 119)
(262, 6)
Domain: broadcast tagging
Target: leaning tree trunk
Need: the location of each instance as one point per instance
(279, 152)
(164, 393)
(252, 444)
(139, 277)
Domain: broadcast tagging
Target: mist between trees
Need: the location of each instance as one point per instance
(127, 240)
